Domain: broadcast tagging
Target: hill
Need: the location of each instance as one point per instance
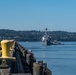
(34, 35)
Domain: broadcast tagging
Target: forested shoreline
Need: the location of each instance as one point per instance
(34, 35)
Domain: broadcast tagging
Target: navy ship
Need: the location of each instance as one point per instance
(46, 39)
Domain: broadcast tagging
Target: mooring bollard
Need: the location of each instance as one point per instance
(37, 69)
(5, 48)
(5, 44)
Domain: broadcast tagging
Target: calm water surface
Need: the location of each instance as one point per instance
(61, 59)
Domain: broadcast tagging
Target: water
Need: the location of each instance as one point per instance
(61, 59)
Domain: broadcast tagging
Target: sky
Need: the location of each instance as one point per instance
(38, 14)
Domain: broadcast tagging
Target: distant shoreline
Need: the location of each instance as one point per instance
(37, 35)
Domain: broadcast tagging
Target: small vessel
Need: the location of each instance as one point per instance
(55, 42)
(46, 39)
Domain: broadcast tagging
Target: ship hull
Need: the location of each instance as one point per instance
(47, 43)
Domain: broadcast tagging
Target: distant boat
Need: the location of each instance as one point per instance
(46, 39)
(55, 42)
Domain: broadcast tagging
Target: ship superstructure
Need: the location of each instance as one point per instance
(46, 39)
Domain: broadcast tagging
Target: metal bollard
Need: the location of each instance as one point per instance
(37, 69)
(6, 50)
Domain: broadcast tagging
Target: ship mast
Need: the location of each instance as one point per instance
(46, 31)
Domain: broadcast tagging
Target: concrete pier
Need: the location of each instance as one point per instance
(24, 63)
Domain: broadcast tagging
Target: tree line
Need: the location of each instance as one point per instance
(34, 35)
